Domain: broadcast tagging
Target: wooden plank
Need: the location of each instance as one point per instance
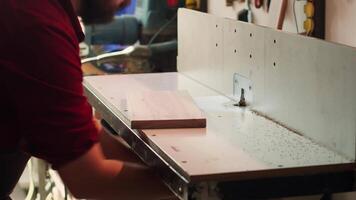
(163, 109)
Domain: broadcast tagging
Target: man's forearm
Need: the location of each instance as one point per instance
(92, 176)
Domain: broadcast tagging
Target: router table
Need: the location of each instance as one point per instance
(241, 154)
(236, 146)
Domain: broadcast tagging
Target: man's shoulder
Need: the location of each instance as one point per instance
(25, 14)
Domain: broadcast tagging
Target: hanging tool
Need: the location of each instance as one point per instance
(282, 14)
(258, 3)
(229, 2)
(245, 14)
(277, 12)
(268, 5)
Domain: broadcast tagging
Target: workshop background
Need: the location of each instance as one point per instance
(339, 27)
(339, 17)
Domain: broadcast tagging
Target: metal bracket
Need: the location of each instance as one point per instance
(243, 88)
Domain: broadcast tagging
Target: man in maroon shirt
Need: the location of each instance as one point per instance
(44, 112)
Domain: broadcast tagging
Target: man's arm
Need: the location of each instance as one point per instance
(125, 172)
(56, 119)
(93, 176)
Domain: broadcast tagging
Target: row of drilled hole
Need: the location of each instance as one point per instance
(235, 51)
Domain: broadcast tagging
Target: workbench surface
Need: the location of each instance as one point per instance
(237, 143)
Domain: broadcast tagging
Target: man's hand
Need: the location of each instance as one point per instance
(115, 148)
(98, 125)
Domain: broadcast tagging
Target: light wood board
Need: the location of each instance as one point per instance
(163, 109)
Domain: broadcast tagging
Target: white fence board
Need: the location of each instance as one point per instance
(306, 84)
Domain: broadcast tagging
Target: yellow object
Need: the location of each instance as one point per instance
(191, 4)
(309, 26)
(309, 10)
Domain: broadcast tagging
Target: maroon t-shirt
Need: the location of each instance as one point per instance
(43, 109)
